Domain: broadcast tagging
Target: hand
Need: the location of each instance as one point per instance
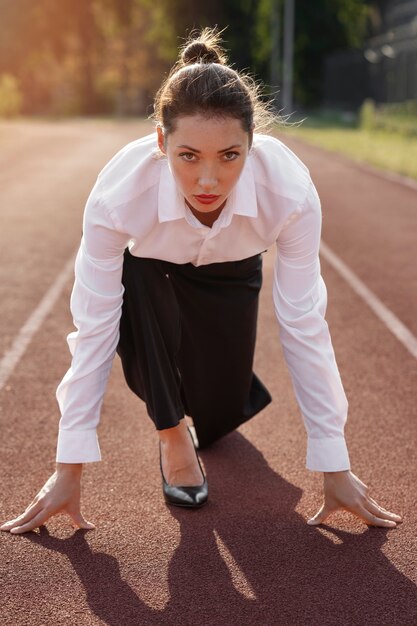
(344, 490)
(60, 494)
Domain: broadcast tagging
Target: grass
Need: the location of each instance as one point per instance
(392, 151)
(386, 150)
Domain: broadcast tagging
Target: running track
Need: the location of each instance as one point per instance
(248, 557)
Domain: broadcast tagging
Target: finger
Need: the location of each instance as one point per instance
(37, 521)
(33, 503)
(371, 505)
(26, 516)
(321, 515)
(79, 520)
(385, 510)
(5, 526)
(373, 520)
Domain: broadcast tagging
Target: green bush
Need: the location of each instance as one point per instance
(367, 115)
(10, 96)
(398, 117)
(408, 107)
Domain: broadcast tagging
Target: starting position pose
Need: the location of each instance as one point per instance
(168, 275)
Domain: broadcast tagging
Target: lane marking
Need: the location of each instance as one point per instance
(12, 356)
(26, 333)
(391, 321)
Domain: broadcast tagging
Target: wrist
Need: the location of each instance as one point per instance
(75, 469)
(334, 476)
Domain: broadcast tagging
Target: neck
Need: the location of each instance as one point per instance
(206, 217)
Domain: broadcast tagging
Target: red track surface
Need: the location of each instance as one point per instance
(248, 557)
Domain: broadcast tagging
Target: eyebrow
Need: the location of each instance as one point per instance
(238, 145)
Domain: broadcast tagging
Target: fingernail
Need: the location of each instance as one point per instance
(311, 522)
(14, 531)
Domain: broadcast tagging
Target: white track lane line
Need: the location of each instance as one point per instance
(23, 339)
(14, 354)
(390, 320)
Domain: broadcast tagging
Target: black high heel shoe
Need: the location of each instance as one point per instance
(192, 496)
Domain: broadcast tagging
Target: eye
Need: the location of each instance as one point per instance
(188, 156)
(231, 156)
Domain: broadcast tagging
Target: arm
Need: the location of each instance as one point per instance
(96, 302)
(300, 300)
(96, 306)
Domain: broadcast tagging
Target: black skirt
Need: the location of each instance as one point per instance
(187, 341)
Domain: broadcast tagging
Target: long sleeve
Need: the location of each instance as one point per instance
(300, 300)
(95, 304)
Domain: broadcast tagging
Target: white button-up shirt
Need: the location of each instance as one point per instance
(135, 202)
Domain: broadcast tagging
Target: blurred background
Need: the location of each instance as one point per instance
(341, 65)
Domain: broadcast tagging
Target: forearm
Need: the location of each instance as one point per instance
(96, 302)
(334, 474)
(300, 300)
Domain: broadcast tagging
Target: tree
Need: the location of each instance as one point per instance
(83, 56)
(92, 56)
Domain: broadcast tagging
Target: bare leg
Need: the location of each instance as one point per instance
(179, 460)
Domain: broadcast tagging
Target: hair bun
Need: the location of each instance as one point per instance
(199, 52)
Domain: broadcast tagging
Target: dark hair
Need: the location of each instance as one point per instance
(201, 82)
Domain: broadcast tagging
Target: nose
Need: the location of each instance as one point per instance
(208, 179)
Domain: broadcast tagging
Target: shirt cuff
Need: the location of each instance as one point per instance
(78, 446)
(327, 455)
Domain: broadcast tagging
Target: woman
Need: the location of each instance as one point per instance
(168, 275)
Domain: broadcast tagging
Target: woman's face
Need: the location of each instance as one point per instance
(206, 157)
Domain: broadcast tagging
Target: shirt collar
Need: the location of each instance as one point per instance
(241, 201)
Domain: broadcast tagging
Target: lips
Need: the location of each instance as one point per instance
(207, 198)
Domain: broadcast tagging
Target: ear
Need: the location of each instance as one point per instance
(161, 139)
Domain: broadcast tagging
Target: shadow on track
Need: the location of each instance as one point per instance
(248, 558)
